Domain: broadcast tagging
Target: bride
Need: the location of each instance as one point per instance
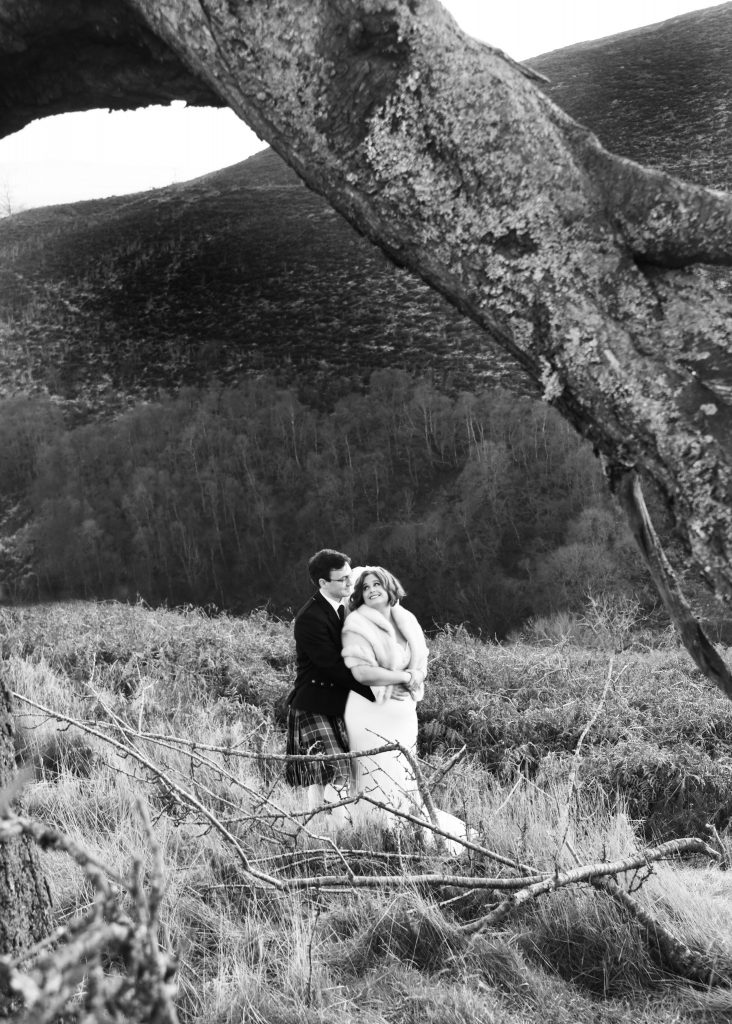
(384, 646)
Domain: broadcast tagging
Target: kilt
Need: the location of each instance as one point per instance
(311, 733)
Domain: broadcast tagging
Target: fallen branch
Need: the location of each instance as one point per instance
(424, 789)
(682, 959)
(182, 794)
(588, 873)
(196, 749)
(343, 882)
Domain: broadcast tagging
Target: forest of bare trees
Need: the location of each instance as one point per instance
(489, 506)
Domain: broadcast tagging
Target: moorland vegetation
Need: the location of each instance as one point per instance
(584, 740)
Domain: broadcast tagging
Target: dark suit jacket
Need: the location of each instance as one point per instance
(323, 681)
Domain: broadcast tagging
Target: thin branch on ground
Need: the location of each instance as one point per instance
(587, 873)
(680, 957)
(183, 795)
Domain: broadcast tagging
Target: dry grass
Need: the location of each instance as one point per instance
(248, 953)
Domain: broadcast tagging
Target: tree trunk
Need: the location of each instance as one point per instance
(582, 264)
(25, 903)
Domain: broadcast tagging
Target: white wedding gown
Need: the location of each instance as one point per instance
(388, 777)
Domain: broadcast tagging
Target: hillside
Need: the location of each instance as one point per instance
(660, 95)
(238, 271)
(246, 269)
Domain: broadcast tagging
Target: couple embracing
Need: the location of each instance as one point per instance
(361, 666)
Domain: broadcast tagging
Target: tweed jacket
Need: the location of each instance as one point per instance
(369, 638)
(323, 681)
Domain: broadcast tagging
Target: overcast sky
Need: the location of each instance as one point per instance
(97, 153)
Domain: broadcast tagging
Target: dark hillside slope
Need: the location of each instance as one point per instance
(246, 269)
(661, 95)
(239, 270)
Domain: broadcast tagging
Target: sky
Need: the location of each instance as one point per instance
(99, 153)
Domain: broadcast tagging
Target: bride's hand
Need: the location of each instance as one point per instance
(417, 679)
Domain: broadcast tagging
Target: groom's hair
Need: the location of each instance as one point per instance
(388, 581)
(324, 561)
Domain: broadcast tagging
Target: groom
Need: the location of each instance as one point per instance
(315, 716)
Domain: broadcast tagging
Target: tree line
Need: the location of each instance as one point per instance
(488, 506)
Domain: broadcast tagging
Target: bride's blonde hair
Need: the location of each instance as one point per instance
(387, 579)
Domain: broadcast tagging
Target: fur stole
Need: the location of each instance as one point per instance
(369, 638)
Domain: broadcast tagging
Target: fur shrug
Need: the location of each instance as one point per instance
(368, 638)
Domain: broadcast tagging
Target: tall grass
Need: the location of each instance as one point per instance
(254, 954)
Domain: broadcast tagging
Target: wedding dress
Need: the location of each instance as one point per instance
(370, 639)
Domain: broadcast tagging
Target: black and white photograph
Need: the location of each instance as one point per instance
(365, 512)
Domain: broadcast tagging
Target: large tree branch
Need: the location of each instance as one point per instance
(448, 157)
(662, 220)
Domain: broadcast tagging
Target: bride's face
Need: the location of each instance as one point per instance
(374, 593)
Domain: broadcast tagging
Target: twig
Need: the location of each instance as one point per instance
(422, 787)
(576, 758)
(441, 772)
(59, 974)
(503, 803)
(183, 795)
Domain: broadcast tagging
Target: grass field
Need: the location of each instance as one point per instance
(585, 741)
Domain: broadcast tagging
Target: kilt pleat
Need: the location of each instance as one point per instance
(312, 733)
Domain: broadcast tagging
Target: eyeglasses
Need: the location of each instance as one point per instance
(340, 579)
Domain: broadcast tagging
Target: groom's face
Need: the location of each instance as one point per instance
(338, 586)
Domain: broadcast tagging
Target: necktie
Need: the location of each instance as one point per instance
(341, 613)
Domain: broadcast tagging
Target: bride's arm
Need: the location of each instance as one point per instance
(413, 633)
(360, 658)
(375, 675)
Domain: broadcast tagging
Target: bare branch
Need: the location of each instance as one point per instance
(69, 962)
(576, 757)
(627, 486)
(182, 794)
(445, 769)
(680, 957)
(587, 873)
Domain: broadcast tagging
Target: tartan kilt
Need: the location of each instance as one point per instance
(311, 733)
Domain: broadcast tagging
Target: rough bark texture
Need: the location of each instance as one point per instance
(582, 264)
(24, 899)
(449, 157)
